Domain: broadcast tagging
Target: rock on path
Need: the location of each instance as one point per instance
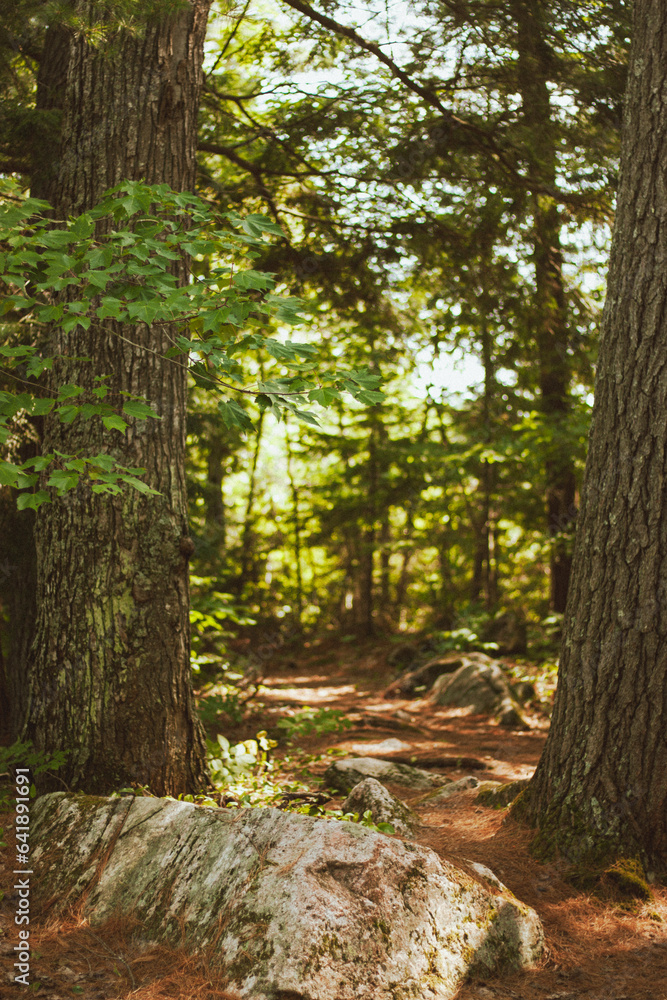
(291, 906)
(344, 774)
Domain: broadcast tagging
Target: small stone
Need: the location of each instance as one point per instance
(384, 807)
(483, 689)
(345, 774)
(410, 684)
(487, 875)
(455, 788)
(391, 745)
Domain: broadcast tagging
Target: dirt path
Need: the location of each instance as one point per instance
(595, 950)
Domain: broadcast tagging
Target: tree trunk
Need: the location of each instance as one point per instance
(550, 310)
(18, 574)
(296, 522)
(600, 790)
(248, 533)
(215, 516)
(367, 541)
(109, 678)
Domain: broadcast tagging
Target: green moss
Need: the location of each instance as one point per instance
(384, 927)
(626, 880)
(500, 798)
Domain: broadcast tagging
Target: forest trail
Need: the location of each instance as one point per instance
(596, 951)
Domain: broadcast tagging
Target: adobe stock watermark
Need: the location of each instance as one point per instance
(22, 884)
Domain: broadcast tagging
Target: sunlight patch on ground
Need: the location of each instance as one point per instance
(309, 695)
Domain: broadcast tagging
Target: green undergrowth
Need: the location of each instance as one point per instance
(25, 755)
(314, 722)
(245, 775)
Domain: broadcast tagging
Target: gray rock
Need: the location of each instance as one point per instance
(498, 796)
(289, 905)
(422, 678)
(384, 807)
(487, 876)
(345, 774)
(455, 788)
(484, 689)
(390, 745)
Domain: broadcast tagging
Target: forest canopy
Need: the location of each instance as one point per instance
(443, 177)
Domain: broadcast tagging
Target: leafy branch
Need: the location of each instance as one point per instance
(125, 264)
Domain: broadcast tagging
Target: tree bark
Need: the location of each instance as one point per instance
(365, 610)
(550, 309)
(600, 789)
(18, 561)
(109, 678)
(248, 534)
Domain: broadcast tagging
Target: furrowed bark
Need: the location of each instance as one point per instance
(600, 789)
(109, 678)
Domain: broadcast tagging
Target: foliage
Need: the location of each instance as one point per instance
(121, 261)
(25, 755)
(461, 640)
(314, 722)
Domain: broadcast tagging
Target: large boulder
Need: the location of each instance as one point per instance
(288, 905)
(421, 679)
(482, 688)
(344, 774)
(370, 796)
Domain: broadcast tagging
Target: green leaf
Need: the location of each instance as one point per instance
(69, 391)
(63, 480)
(135, 408)
(252, 279)
(32, 501)
(234, 415)
(369, 396)
(57, 238)
(323, 396)
(40, 407)
(66, 414)
(139, 485)
(82, 227)
(114, 423)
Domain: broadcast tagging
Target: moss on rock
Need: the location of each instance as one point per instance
(501, 796)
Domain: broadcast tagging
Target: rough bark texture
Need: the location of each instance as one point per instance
(109, 678)
(550, 312)
(601, 785)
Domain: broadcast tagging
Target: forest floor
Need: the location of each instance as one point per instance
(595, 949)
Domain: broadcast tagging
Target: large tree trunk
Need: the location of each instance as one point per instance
(550, 311)
(109, 677)
(600, 789)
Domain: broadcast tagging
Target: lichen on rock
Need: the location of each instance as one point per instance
(346, 773)
(288, 905)
(370, 795)
(482, 688)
